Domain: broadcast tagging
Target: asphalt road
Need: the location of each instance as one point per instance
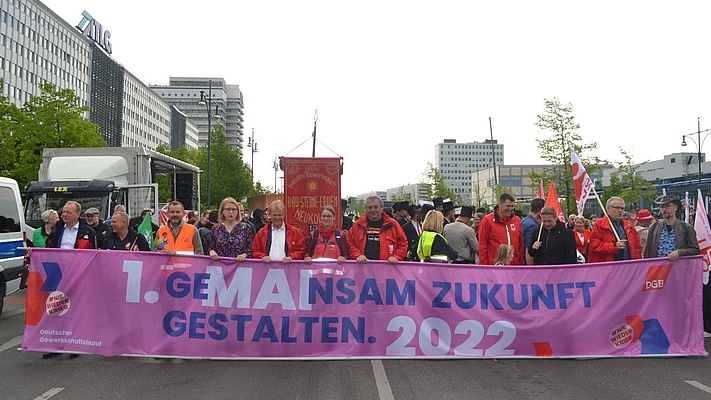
(28, 376)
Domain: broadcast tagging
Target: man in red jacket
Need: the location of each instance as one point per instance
(278, 240)
(501, 227)
(604, 245)
(376, 236)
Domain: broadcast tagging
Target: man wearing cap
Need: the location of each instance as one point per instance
(462, 238)
(671, 237)
(95, 223)
(501, 227)
(448, 212)
(605, 245)
(376, 236)
(413, 229)
(531, 224)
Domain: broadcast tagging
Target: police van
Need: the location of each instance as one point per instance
(12, 238)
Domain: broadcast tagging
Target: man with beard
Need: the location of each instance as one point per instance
(670, 237)
(100, 228)
(177, 235)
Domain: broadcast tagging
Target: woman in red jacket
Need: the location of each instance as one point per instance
(326, 241)
(582, 236)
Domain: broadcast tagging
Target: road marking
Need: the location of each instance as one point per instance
(49, 394)
(699, 386)
(11, 314)
(14, 342)
(381, 380)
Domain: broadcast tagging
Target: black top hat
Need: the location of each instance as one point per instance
(668, 199)
(396, 206)
(404, 205)
(425, 209)
(412, 209)
(344, 204)
(466, 212)
(438, 201)
(447, 205)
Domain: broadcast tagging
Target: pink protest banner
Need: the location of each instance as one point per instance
(113, 303)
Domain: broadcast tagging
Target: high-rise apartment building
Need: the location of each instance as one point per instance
(457, 161)
(184, 93)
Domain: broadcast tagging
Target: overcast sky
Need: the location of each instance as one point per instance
(391, 79)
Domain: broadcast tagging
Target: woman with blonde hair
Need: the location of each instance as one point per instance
(433, 247)
(504, 254)
(231, 237)
(50, 218)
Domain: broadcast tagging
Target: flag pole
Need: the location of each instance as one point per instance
(605, 212)
(540, 229)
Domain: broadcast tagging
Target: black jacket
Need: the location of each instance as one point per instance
(86, 237)
(412, 239)
(557, 247)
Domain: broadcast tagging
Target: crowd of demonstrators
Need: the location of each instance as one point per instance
(277, 240)
(462, 237)
(213, 218)
(432, 246)
(377, 236)
(326, 241)
(555, 244)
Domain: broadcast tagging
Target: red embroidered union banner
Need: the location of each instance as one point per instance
(309, 185)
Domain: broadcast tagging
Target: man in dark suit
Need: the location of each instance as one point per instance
(413, 229)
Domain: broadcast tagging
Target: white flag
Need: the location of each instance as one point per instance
(703, 235)
(581, 182)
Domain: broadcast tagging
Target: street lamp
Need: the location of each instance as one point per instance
(698, 142)
(206, 101)
(253, 145)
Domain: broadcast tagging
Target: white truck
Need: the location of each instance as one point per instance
(103, 177)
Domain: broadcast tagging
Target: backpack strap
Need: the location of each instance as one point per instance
(312, 245)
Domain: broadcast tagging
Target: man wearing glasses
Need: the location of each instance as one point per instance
(178, 236)
(605, 245)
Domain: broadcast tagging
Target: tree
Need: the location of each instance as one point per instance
(9, 137)
(433, 182)
(53, 119)
(625, 183)
(259, 189)
(559, 120)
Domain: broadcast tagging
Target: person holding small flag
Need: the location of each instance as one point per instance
(614, 238)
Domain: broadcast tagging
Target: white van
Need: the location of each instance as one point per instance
(12, 239)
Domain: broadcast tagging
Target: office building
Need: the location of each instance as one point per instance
(457, 161)
(184, 93)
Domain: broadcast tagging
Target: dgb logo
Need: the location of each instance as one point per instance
(656, 277)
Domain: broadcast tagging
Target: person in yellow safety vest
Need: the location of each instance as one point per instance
(433, 247)
(178, 236)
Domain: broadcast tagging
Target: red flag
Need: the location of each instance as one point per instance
(555, 203)
(581, 182)
(541, 194)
